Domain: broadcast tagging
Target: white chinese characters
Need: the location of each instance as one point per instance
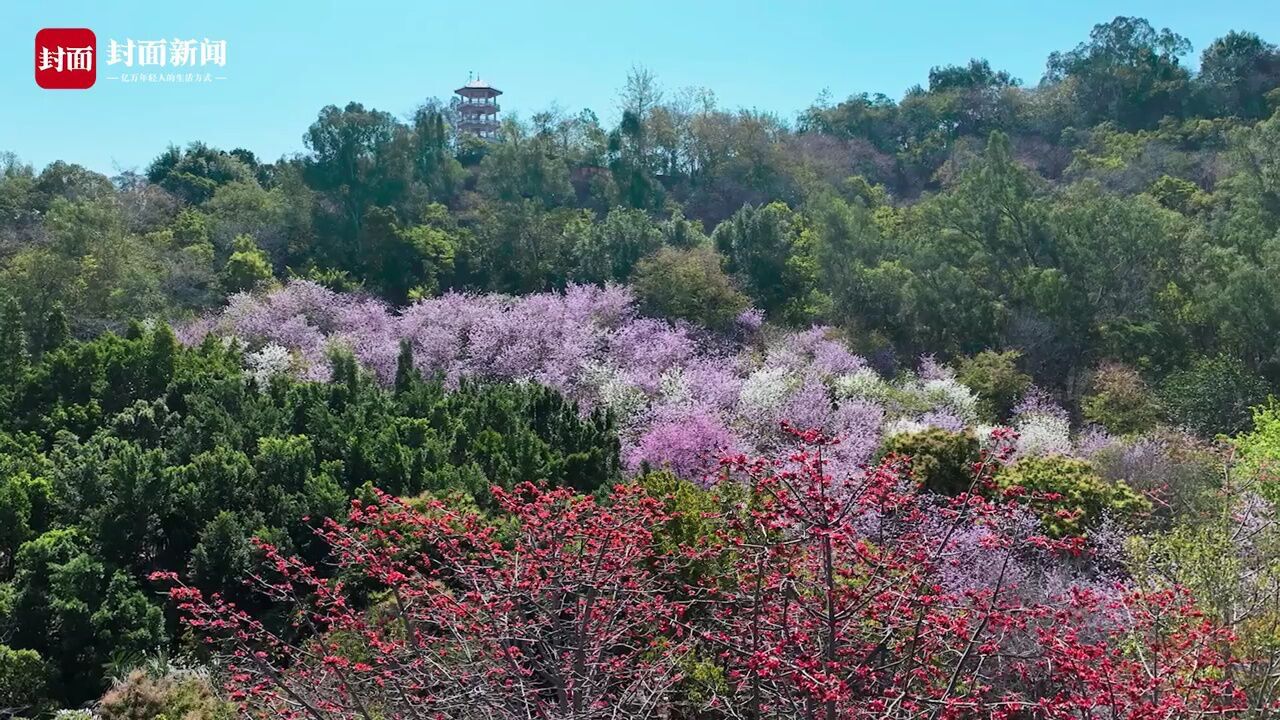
(167, 53)
(59, 58)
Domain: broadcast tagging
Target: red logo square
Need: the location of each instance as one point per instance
(66, 58)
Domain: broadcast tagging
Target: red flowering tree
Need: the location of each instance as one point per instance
(560, 611)
(858, 598)
(801, 596)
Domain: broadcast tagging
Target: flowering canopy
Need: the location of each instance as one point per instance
(590, 344)
(790, 595)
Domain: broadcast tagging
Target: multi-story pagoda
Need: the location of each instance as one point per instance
(478, 111)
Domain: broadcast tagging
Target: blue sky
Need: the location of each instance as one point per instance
(288, 58)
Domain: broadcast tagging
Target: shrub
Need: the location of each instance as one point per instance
(997, 380)
(1179, 472)
(1120, 401)
(939, 460)
(248, 266)
(1067, 494)
(1213, 396)
(171, 693)
(23, 677)
(1259, 450)
(690, 285)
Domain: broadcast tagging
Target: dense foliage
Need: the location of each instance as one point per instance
(124, 456)
(805, 596)
(457, 393)
(1122, 210)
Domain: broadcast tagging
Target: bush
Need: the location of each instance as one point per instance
(1120, 401)
(1213, 396)
(1180, 472)
(248, 266)
(995, 377)
(690, 285)
(1068, 495)
(1259, 450)
(940, 461)
(144, 694)
(23, 677)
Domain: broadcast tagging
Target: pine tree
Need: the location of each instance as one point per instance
(406, 374)
(56, 331)
(13, 346)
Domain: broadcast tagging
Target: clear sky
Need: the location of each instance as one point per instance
(288, 58)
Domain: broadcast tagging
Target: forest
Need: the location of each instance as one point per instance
(957, 405)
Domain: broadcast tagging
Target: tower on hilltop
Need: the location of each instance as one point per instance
(478, 111)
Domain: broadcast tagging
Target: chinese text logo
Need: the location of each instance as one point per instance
(167, 53)
(65, 58)
(182, 60)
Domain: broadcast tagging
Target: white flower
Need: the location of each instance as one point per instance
(764, 390)
(673, 387)
(904, 426)
(865, 384)
(1043, 434)
(268, 362)
(952, 395)
(623, 398)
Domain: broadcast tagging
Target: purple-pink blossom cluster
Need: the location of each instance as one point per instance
(682, 396)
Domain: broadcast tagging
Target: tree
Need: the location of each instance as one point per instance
(1068, 495)
(195, 174)
(359, 157)
(1213, 396)
(566, 620)
(247, 268)
(759, 244)
(1236, 72)
(55, 332)
(1127, 72)
(407, 262)
(1120, 401)
(995, 377)
(23, 680)
(521, 248)
(939, 460)
(690, 285)
(519, 168)
(822, 604)
(13, 348)
(611, 249)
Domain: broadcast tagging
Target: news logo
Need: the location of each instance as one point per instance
(66, 58)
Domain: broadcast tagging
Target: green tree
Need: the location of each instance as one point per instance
(995, 377)
(13, 349)
(1127, 72)
(1068, 495)
(23, 681)
(939, 460)
(359, 158)
(1120, 401)
(1236, 71)
(688, 284)
(247, 268)
(1213, 396)
(611, 249)
(195, 173)
(759, 244)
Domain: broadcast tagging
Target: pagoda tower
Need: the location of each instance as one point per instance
(478, 111)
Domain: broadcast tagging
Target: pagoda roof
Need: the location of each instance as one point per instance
(477, 84)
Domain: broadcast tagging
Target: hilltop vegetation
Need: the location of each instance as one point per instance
(1040, 317)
